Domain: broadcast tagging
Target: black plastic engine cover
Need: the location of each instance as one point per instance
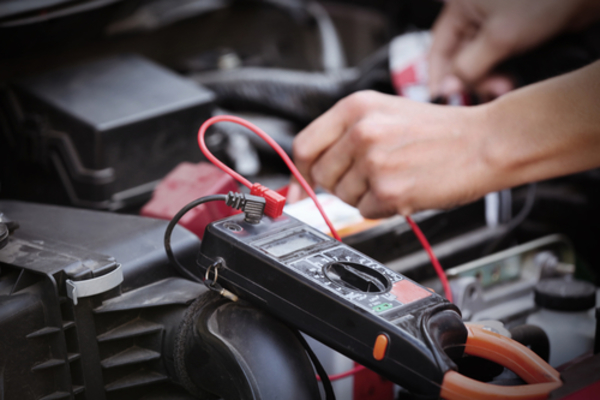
(110, 129)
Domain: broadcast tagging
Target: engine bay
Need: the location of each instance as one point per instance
(100, 106)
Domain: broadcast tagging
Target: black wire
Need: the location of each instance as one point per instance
(329, 394)
(180, 268)
(516, 221)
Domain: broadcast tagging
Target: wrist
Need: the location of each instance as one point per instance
(498, 156)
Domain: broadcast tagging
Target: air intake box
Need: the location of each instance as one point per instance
(112, 128)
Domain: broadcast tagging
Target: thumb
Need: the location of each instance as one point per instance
(477, 58)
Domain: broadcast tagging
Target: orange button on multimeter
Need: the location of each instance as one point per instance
(381, 344)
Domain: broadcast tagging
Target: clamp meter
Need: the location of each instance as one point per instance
(339, 296)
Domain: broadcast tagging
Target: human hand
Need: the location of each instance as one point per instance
(470, 37)
(387, 155)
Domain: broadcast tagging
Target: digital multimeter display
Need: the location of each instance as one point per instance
(289, 244)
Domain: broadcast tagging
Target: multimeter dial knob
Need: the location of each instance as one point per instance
(357, 277)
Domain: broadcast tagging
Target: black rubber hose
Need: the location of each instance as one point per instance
(534, 337)
(235, 351)
(297, 95)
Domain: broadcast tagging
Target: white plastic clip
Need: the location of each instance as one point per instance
(94, 286)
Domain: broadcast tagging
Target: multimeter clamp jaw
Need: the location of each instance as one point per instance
(340, 297)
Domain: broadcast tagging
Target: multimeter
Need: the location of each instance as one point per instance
(341, 297)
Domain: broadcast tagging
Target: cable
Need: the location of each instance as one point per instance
(321, 373)
(436, 264)
(345, 374)
(516, 221)
(332, 51)
(167, 240)
(252, 206)
(278, 150)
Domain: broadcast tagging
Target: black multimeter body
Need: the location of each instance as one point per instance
(339, 296)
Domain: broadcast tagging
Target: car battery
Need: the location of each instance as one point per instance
(109, 129)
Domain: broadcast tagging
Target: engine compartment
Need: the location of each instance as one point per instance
(100, 100)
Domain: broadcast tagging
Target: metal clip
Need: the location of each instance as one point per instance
(94, 286)
(212, 283)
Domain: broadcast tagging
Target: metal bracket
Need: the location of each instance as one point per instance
(94, 286)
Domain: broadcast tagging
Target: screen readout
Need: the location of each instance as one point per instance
(289, 244)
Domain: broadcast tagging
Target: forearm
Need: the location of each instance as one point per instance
(544, 130)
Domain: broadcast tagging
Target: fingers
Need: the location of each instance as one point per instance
(334, 162)
(494, 86)
(316, 138)
(448, 34)
(352, 186)
(450, 85)
(478, 56)
(370, 206)
(467, 43)
(315, 141)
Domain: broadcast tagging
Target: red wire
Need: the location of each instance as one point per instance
(214, 159)
(436, 264)
(345, 374)
(275, 146)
